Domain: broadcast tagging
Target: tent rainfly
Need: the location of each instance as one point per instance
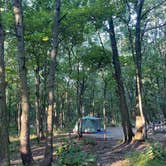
(88, 124)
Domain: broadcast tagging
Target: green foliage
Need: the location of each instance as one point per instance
(154, 155)
(70, 154)
(88, 142)
(157, 151)
(96, 57)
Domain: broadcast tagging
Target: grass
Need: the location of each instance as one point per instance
(141, 159)
(154, 155)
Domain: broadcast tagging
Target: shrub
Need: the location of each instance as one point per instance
(71, 155)
(88, 142)
(154, 155)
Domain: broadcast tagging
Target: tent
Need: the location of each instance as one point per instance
(88, 124)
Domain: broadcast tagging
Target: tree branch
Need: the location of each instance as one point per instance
(152, 8)
(62, 17)
(155, 27)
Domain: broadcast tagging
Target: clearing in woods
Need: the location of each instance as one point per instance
(108, 150)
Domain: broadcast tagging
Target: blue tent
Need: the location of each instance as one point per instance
(88, 124)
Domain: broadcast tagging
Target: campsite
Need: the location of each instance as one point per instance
(101, 148)
(83, 83)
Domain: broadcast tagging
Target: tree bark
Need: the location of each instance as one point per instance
(79, 113)
(44, 97)
(140, 119)
(39, 127)
(163, 104)
(4, 135)
(164, 95)
(80, 92)
(104, 103)
(81, 95)
(92, 93)
(18, 118)
(68, 104)
(62, 109)
(128, 134)
(51, 84)
(92, 100)
(24, 133)
(37, 102)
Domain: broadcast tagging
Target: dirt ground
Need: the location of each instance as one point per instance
(115, 133)
(110, 151)
(108, 148)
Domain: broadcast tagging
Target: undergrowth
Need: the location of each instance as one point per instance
(88, 142)
(154, 155)
(70, 154)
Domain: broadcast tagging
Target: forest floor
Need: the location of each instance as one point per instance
(112, 153)
(108, 150)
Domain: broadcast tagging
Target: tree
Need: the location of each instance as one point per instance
(146, 13)
(39, 126)
(51, 86)
(128, 134)
(140, 119)
(24, 133)
(4, 143)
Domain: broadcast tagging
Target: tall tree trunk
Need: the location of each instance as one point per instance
(164, 95)
(24, 133)
(51, 82)
(18, 118)
(92, 95)
(68, 97)
(67, 104)
(44, 97)
(104, 103)
(93, 99)
(140, 119)
(39, 127)
(4, 143)
(62, 109)
(128, 134)
(79, 113)
(81, 96)
(37, 102)
(163, 104)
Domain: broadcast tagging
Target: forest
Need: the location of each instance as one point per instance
(62, 61)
